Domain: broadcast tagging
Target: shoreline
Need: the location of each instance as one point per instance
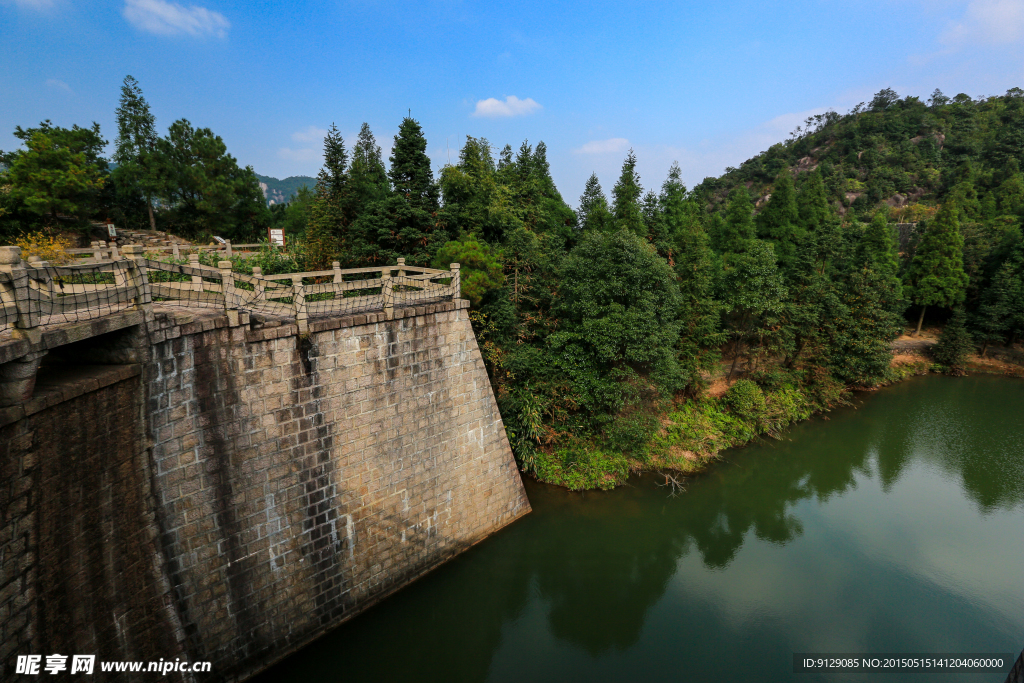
(693, 433)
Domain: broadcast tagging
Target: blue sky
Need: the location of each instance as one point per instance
(706, 84)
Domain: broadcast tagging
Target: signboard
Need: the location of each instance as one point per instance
(276, 236)
(111, 230)
(220, 240)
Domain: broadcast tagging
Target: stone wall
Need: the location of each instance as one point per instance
(82, 568)
(266, 488)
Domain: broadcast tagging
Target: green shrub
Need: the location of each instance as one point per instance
(582, 466)
(746, 400)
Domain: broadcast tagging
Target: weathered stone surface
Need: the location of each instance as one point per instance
(248, 490)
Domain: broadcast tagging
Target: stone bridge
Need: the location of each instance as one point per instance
(201, 465)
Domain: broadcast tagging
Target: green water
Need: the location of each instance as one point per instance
(897, 526)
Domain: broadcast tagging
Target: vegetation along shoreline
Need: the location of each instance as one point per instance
(647, 330)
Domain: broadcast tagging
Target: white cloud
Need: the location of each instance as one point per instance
(604, 146)
(512, 106)
(310, 134)
(61, 85)
(170, 19)
(300, 155)
(987, 21)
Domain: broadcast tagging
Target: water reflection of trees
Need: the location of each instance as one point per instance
(601, 561)
(608, 561)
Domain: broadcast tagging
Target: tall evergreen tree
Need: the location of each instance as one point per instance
(367, 177)
(406, 223)
(699, 312)
(878, 245)
(955, 344)
(593, 213)
(812, 204)
(754, 298)
(626, 193)
(334, 173)
(735, 233)
(936, 276)
(411, 176)
(779, 220)
(135, 144)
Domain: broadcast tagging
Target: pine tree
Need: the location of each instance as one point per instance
(936, 275)
(779, 221)
(878, 245)
(321, 238)
(812, 204)
(333, 175)
(593, 213)
(737, 232)
(693, 260)
(994, 314)
(626, 193)
(367, 177)
(134, 145)
(754, 299)
(955, 344)
(410, 172)
(654, 228)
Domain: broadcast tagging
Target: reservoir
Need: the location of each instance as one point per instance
(895, 525)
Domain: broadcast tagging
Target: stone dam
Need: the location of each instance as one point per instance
(213, 484)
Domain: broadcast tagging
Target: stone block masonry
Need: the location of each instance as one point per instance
(270, 487)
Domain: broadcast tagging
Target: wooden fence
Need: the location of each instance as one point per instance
(35, 294)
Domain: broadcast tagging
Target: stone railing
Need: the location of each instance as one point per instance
(101, 251)
(35, 294)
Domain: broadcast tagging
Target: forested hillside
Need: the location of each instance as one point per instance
(283, 191)
(604, 327)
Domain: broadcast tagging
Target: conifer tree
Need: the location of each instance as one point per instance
(321, 237)
(954, 344)
(654, 227)
(738, 229)
(936, 276)
(693, 260)
(410, 172)
(593, 213)
(626, 193)
(754, 297)
(333, 174)
(406, 223)
(878, 246)
(779, 220)
(134, 145)
(995, 311)
(367, 177)
(812, 204)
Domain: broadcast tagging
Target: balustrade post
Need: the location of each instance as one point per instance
(227, 282)
(137, 278)
(337, 272)
(299, 299)
(227, 248)
(387, 292)
(17, 292)
(175, 251)
(259, 286)
(197, 280)
(456, 284)
(97, 255)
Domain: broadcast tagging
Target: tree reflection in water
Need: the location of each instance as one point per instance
(588, 568)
